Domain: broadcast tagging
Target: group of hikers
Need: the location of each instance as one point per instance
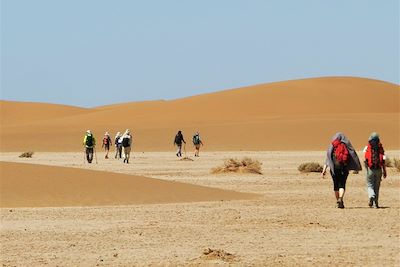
(341, 158)
(123, 142)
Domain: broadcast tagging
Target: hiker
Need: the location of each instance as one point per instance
(341, 158)
(126, 144)
(178, 142)
(106, 144)
(197, 143)
(375, 164)
(118, 145)
(90, 143)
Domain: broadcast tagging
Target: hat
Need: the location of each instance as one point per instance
(373, 135)
(88, 131)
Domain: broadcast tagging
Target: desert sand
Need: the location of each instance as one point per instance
(57, 210)
(28, 185)
(292, 115)
(293, 221)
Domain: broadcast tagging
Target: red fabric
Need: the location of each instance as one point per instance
(368, 155)
(341, 151)
(106, 140)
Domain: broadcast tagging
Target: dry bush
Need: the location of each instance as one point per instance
(310, 167)
(397, 164)
(186, 159)
(26, 154)
(388, 162)
(245, 165)
(218, 254)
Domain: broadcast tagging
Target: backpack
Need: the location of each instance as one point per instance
(374, 155)
(178, 139)
(89, 140)
(125, 141)
(340, 154)
(196, 139)
(106, 140)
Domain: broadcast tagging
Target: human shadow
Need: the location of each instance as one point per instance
(366, 207)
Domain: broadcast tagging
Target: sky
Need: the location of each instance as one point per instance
(95, 52)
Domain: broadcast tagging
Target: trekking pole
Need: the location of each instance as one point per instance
(184, 148)
(84, 156)
(95, 154)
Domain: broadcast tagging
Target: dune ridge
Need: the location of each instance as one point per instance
(291, 115)
(33, 185)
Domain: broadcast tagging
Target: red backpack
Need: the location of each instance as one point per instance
(374, 155)
(106, 140)
(340, 154)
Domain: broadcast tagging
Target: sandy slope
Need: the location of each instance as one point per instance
(294, 223)
(300, 114)
(28, 185)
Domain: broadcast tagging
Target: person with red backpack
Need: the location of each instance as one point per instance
(106, 144)
(375, 164)
(341, 158)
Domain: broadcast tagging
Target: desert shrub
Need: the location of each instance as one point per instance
(26, 154)
(397, 164)
(310, 167)
(245, 165)
(388, 162)
(218, 254)
(186, 159)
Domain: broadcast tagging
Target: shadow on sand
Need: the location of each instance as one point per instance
(380, 208)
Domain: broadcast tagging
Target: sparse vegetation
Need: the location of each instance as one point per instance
(310, 167)
(218, 254)
(355, 172)
(397, 164)
(245, 165)
(26, 154)
(388, 163)
(186, 159)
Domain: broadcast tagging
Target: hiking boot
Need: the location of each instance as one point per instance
(376, 205)
(340, 203)
(124, 160)
(371, 202)
(106, 157)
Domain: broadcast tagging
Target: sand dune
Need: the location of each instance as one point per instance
(29, 185)
(292, 115)
(14, 113)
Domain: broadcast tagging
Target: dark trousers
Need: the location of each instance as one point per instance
(89, 154)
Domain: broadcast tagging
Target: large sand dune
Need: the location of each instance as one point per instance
(292, 115)
(31, 185)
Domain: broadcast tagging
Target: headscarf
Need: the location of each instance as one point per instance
(374, 136)
(353, 163)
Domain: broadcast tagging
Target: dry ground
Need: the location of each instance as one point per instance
(294, 222)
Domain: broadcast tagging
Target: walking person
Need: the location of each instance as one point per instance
(106, 144)
(126, 144)
(118, 145)
(178, 142)
(197, 143)
(89, 142)
(341, 158)
(375, 164)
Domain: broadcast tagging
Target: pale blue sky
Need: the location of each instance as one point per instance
(94, 52)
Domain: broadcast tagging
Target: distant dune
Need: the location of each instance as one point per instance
(31, 185)
(291, 115)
